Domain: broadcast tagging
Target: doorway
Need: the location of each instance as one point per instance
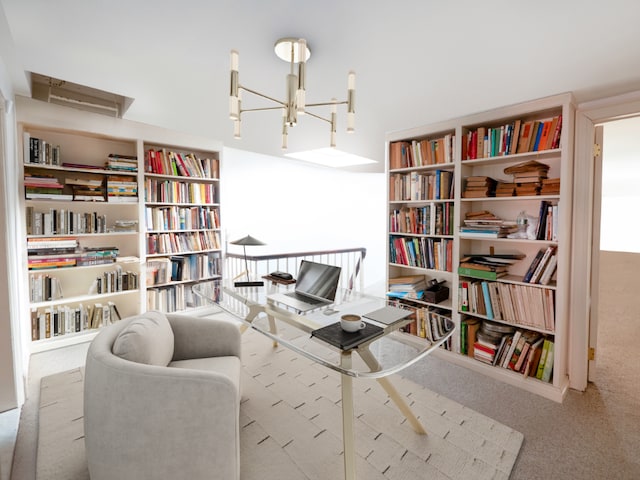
(617, 360)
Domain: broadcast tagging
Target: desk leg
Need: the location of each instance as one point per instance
(371, 361)
(348, 435)
(272, 328)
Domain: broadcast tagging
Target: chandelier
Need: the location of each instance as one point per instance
(296, 52)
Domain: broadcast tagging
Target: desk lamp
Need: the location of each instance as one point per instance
(244, 241)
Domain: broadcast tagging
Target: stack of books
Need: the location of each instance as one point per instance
(550, 186)
(126, 163)
(85, 189)
(44, 186)
(528, 177)
(489, 340)
(407, 287)
(505, 189)
(479, 187)
(490, 266)
(122, 189)
(485, 224)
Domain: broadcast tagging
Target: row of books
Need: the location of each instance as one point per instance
(43, 288)
(421, 252)
(436, 185)
(417, 153)
(40, 151)
(171, 191)
(60, 221)
(548, 221)
(173, 298)
(480, 186)
(430, 219)
(117, 280)
(160, 243)
(181, 218)
(426, 322)
(515, 137)
(543, 266)
(512, 303)
(183, 268)
(166, 162)
(528, 353)
(66, 320)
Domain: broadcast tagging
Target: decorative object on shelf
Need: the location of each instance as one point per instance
(244, 241)
(294, 51)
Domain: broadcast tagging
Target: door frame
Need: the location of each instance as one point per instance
(584, 273)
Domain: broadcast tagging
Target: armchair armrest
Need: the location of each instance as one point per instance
(196, 337)
(199, 408)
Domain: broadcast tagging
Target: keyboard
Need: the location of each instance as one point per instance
(304, 298)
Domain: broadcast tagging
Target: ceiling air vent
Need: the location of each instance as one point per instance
(69, 94)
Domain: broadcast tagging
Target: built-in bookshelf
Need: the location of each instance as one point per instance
(96, 214)
(503, 219)
(182, 219)
(82, 248)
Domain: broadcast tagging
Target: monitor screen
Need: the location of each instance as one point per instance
(318, 279)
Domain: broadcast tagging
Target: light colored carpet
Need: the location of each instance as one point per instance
(291, 427)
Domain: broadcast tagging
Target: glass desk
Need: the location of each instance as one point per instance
(389, 352)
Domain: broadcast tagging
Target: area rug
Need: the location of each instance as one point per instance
(291, 426)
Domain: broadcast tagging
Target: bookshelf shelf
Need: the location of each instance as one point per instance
(84, 298)
(512, 199)
(527, 147)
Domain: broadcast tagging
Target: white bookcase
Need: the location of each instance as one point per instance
(182, 224)
(560, 161)
(113, 224)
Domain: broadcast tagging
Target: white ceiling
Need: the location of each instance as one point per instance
(416, 62)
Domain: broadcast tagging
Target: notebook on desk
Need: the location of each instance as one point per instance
(316, 287)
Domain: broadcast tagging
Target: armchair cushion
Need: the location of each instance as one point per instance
(147, 339)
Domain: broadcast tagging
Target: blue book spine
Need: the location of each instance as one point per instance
(487, 300)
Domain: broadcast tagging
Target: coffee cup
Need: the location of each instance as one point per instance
(351, 323)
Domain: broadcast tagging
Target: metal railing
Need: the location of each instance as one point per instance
(349, 259)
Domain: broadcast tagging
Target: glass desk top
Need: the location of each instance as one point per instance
(387, 353)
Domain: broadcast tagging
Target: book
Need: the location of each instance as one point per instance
(472, 272)
(487, 300)
(549, 251)
(533, 357)
(549, 270)
(336, 336)
(473, 325)
(533, 265)
(543, 359)
(512, 348)
(547, 370)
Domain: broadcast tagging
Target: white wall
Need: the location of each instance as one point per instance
(11, 372)
(295, 207)
(620, 228)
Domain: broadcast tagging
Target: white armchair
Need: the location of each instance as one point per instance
(162, 399)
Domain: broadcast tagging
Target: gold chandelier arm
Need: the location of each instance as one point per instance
(324, 104)
(317, 116)
(262, 95)
(260, 109)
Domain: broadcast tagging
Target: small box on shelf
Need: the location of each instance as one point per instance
(436, 292)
